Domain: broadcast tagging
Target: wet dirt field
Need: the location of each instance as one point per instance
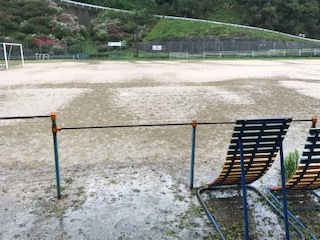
(133, 183)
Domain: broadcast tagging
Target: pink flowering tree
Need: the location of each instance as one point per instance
(48, 44)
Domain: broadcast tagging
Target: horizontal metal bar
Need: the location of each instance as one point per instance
(126, 126)
(144, 125)
(151, 125)
(23, 117)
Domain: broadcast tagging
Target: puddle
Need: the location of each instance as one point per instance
(134, 183)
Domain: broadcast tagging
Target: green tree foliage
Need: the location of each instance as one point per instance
(115, 26)
(26, 16)
(290, 16)
(265, 16)
(106, 27)
(41, 22)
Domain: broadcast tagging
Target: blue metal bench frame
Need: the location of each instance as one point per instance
(306, 177)
(251, 140)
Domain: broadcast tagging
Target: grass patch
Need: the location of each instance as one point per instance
(89, 46)
(80, 191)
(179, 197)
(169, 29)
(169, 232)
(136, 190)
(68, 180)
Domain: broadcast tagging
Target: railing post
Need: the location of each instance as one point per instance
(314, 121)
(193, 148)
(55, 129)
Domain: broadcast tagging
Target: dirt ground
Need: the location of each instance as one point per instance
(133, 183)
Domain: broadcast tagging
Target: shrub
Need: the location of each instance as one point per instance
(291, 164)
(49, 44)
(65, 25)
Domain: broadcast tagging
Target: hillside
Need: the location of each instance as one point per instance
(290, 16)
(45, 26)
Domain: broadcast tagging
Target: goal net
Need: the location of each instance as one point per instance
(179, 55)
(11, 54)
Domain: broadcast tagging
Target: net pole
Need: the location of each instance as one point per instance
(21, 53)
(5, 55)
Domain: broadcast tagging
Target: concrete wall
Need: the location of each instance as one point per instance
(85, 15)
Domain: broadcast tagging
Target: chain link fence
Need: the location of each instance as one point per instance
(230, 48)
(227, 48)
(63, 50)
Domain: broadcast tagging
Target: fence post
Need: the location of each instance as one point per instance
(55, 129)
(193, 148)
(314, 121)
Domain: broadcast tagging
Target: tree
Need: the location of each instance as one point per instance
(265, 16)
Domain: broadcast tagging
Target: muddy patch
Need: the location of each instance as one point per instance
(134, 183)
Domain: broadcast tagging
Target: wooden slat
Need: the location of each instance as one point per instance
(251, 150)
(267, 144)
(252, 171)
(248, 156)
(315, 166)
(256, 159)
(304, 180)
(238, 164)
(264, 139)
(259, 137)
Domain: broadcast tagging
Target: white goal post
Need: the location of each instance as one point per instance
(7, 52)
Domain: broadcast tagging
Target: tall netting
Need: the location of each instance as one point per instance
(217, 48)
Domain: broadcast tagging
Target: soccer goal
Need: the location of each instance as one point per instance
(11, 54)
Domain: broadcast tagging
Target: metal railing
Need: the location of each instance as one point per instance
(194, 124)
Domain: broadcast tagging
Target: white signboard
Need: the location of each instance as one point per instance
(156, 47)
(114, 44)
